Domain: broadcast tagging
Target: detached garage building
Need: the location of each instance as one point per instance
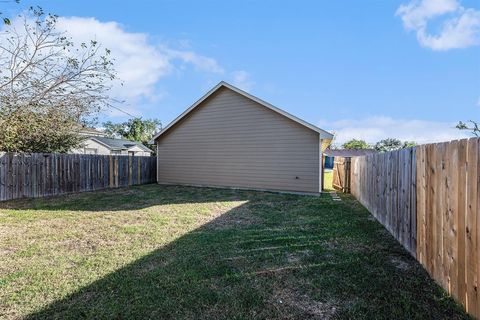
(230, 138)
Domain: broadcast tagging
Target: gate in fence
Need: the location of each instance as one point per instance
(341, 174)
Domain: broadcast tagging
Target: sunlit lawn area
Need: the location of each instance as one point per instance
(327, 184)
(154, 252)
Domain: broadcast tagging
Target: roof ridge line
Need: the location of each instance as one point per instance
(323, 133)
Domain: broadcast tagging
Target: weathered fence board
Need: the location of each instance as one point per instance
(449, 214)
(385, 184)
(41, 175)
(472, 232)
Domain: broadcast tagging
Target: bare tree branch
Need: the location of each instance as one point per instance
(45, 75)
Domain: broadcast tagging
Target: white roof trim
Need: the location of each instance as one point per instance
(142, 147)
(136, 145)
(323, 134)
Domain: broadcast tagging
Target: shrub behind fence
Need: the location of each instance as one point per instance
(40, 174)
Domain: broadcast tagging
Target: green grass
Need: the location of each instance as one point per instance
(197, 253)
(328, 181)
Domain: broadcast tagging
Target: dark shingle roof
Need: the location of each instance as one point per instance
(348, 152)
(120, 144)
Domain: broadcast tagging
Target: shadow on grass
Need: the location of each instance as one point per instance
(274, 257)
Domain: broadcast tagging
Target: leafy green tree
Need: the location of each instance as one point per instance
(355, 144)
(25, 131)
(134, 129)
(408, 144)
(391, 144)
(473, 127)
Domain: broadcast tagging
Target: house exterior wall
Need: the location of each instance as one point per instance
(89, 145)
(232, 141)
(138, 151)
(92, 145)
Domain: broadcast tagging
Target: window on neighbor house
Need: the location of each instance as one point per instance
(131, 153)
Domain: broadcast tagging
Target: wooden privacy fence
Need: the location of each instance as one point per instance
(341, 174)
(384, 183)
(428, 198)
(448, 236)
(41, 174)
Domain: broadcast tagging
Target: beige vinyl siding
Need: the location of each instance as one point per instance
(232, 141)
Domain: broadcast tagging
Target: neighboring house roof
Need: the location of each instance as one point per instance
(91, 132)
(119, 144)
(348, 152)
(323, 134)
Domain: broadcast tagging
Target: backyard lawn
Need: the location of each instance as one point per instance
(197, 253)
(328, 180)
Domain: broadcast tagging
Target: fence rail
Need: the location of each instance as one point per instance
(41, 174)
(428, 198)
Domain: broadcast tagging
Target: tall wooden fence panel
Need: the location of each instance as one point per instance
(447, 215)
(384, 183)
(40, 175)
(428, 198)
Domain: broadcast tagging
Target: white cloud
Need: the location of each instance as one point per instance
(374, 129)
(139, 62)
(416, 14)
(242, 80)
(460, 26)
(200, 62)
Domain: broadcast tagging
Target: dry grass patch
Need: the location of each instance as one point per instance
(296, 305)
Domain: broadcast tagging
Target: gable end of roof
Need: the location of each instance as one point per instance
(323, 134)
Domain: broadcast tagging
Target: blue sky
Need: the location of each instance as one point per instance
(364, 69)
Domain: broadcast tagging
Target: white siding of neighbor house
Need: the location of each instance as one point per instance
(102, 149)
(138, 151)
(91, 144)
(232, 141)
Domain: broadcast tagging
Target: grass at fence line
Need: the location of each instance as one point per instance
(166, 252)
(328, 183)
